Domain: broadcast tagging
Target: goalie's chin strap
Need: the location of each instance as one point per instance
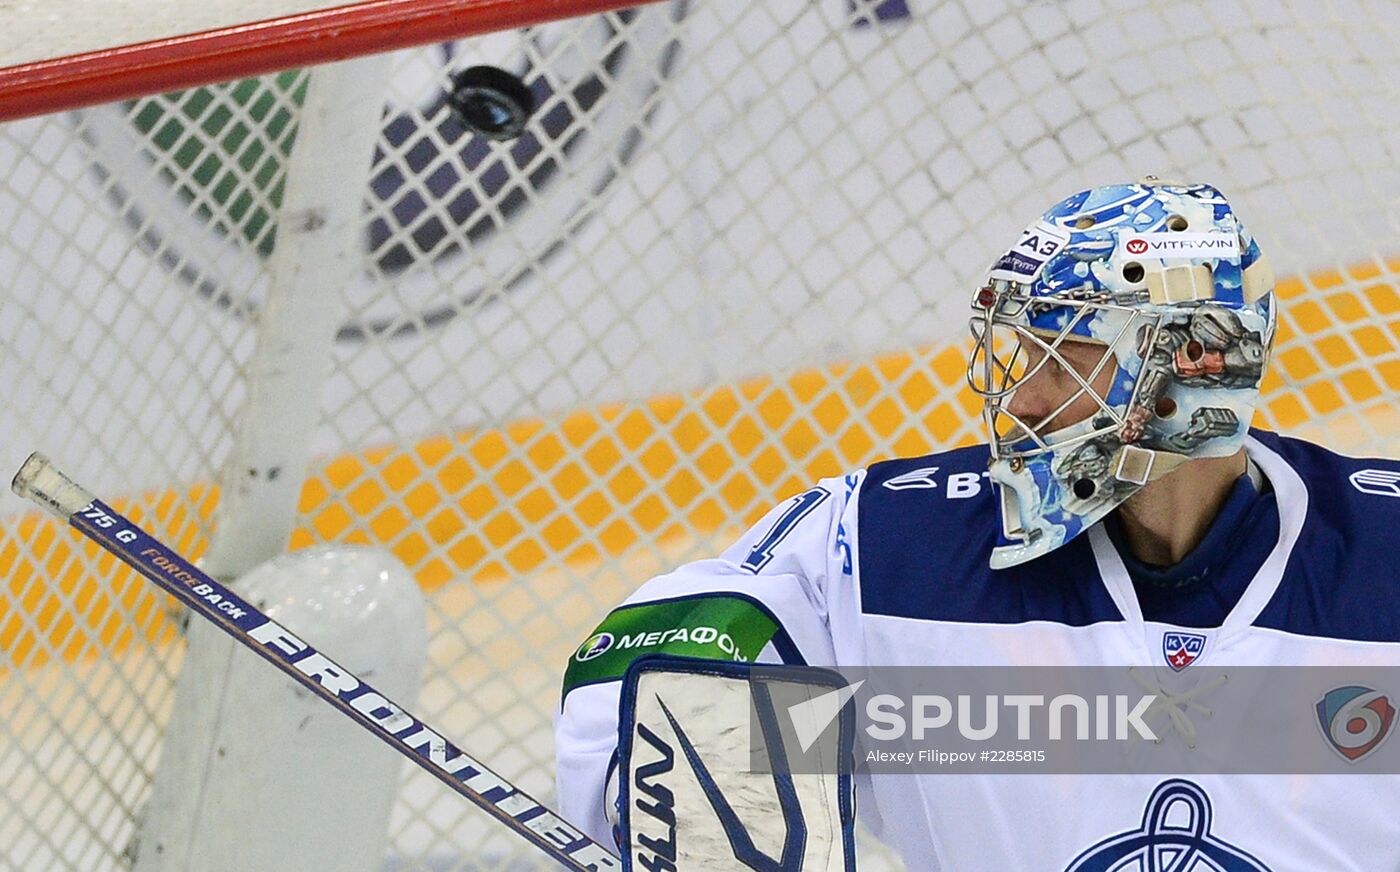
(1137, 465)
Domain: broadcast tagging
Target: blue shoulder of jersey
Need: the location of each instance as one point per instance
(926, 526)
(1343, 576)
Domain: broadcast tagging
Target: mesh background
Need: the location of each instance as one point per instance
(732, 254)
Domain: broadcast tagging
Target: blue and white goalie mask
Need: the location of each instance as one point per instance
(1125, 333)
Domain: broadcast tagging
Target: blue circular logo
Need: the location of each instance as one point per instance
(199, 175)
(596, 646)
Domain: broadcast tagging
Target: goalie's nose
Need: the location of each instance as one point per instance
(1033, 400)
(1062, 387)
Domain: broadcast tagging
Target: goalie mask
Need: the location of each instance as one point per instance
(1153, 307)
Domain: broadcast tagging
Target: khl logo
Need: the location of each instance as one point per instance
(1355, 720)
(595, 646)
(1182, 649)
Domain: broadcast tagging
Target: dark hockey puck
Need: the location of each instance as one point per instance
(490, 102)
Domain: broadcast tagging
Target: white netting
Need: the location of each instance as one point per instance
(734, 253)
(40, 30)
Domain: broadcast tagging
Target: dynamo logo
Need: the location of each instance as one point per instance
(595, 646)
(1169, 839)
(1355, 720)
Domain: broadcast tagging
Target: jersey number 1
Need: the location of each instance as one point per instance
(798, 509)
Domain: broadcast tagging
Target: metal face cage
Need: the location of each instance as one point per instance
(1009, 350)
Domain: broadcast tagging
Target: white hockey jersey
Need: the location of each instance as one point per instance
(888, 566)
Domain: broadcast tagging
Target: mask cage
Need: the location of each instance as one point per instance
(1008, 352)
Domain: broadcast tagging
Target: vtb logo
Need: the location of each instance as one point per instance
(1355, 720)
(1381, 482)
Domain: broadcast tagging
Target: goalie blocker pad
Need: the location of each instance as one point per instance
(732, 766)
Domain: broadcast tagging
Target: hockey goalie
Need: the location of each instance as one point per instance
(1122, 514)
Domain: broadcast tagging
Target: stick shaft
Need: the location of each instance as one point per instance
(38, 480)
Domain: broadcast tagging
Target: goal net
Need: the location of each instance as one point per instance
(732, 253)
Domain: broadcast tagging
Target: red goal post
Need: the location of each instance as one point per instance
(169, 63)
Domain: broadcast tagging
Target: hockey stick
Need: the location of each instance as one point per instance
(38, 480)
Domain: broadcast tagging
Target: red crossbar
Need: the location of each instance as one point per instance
(220, 55)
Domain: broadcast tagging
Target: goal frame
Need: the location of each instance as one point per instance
(223, 54)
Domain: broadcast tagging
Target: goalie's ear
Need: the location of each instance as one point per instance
(735, 766)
